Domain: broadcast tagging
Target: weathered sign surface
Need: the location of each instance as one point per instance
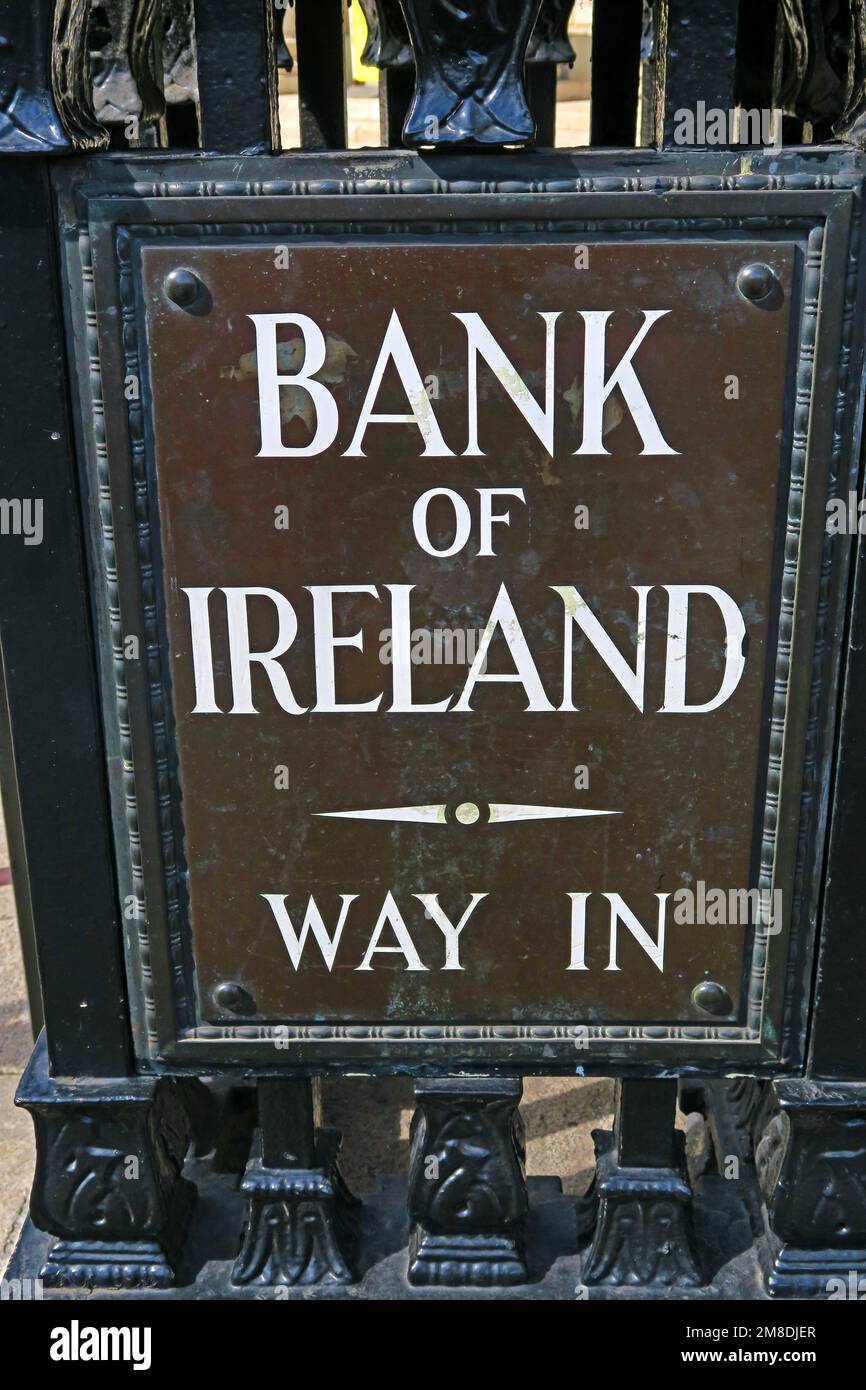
(467, 554)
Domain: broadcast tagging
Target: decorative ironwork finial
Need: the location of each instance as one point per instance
(469, 87)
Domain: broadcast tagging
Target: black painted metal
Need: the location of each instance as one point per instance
(125, 41)
(698, 59)
(467, 1185)
(14, 828)
(726, 1213)
(757, 45)
(616, 45)
(387, 43)
(301, 1220)
(108, 1178)
(811, 1162)
(850, 124)
(179, 75)
(804, 1139)
(49, 662)
(541, 96)
(29, 119)
(320, 34)
(46, 102)
(469, 84)
(549, 46)
(639, 1209)
(838, 1040)
(287, 1122)
(237, 76)
(396, 86)
(821, 66)
(645, 1123)
(549, 42)
(388, 49)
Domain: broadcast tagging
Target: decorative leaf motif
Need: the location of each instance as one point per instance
(469, 72)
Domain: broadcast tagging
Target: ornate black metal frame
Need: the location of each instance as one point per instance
(109, 206)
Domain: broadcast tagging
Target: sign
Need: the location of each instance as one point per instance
(468, 616)
(468, 557)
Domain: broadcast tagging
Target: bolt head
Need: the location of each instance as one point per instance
(712, 998)
(756, 281)
(182, 288)
(232, 996)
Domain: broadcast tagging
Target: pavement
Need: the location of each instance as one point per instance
(17, 1150)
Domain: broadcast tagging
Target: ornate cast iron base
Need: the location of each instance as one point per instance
(811, 1161)
(301, 1225)
(109, 1265)
(467, 1189)
(475, 1261)
(642, 1223)
(639, 1208)
(830, 1274)
(108, 1184)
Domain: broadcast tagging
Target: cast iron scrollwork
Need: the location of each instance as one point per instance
(125, 49)
(71, 75)
(640, 1220)
(302, 1223)
(108, 1177)
(45, 88)
(550, 42)
(387, 43)
(811, 1162)
(145, 52)
(469, 86)
(822, 72)
(467, 1191)
(177, 52)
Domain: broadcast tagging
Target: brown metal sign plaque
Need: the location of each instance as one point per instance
(468, 561)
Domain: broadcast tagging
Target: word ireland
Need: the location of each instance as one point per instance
(503, 624)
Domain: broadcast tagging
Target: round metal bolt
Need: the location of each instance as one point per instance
(182, 287)
(232, 996)
(756, 281)
(712, 998)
